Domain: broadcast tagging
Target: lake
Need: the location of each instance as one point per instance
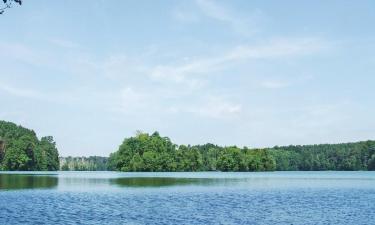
(187, 198)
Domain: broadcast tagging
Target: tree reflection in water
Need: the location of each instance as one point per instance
(166, 181)
(24, 181)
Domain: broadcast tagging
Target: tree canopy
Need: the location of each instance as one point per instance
(146, 152)
(20, 149)
(346, 156)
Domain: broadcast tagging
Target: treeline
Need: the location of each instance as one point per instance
(152, 153)
(92, 163)
(20, 149)
(146, 152)
(348, 156)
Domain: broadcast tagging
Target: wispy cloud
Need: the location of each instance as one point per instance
(274, 84)
(208, 106)
(185, 16)
(21, 92)
(20, 53)
(132, 100)
(271, 50)
(240, 23)
(69, 96)
(133, 79)
(217, 108)
(243, 23)
(63, 43)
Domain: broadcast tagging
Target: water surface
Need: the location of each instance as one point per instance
(187, 198)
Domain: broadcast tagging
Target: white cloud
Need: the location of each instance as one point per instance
(240, 23)
(120, 67)
(276, 49)
(131, 99)
(63, 43)
(274, 84)
(243, 23)
(216, 108)
(79, 96)
(185, 16)
(21, 92)
(20, 53)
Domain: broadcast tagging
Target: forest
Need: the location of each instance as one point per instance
(91, 163)
(20, 149)
(346, 156)
(146, 152)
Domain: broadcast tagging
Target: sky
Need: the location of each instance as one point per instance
(248, 73)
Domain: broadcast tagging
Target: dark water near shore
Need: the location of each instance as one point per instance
(187, 198)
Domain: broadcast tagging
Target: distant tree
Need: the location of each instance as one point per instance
(346, 156)
(190, 158)
(146, 152)
(65, 167)
(231, 159)
(371, 163)
(91, 163)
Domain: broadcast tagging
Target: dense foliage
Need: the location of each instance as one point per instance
(20, 149)
(146, 152)
(92, 163)
(349, 156)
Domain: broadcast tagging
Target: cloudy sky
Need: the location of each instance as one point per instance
(246, 73)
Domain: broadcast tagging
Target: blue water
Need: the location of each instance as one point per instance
(187, 198)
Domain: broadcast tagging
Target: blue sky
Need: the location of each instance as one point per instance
(246, 73)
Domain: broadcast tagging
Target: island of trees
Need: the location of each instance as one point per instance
(20, 149)
(146, 152)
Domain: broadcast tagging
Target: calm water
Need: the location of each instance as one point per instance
(187, 198)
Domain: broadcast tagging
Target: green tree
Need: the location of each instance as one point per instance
(371, 163)
(20, 149)
(231, 159)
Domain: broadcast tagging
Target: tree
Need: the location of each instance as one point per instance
(16, 158)
(8, 4)
(231, 159)
(65, 167)
(20, 149)
(136, 163)
(146, 152)
(371, 163)
(190, 159)
(212, 157)
(49, 153)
